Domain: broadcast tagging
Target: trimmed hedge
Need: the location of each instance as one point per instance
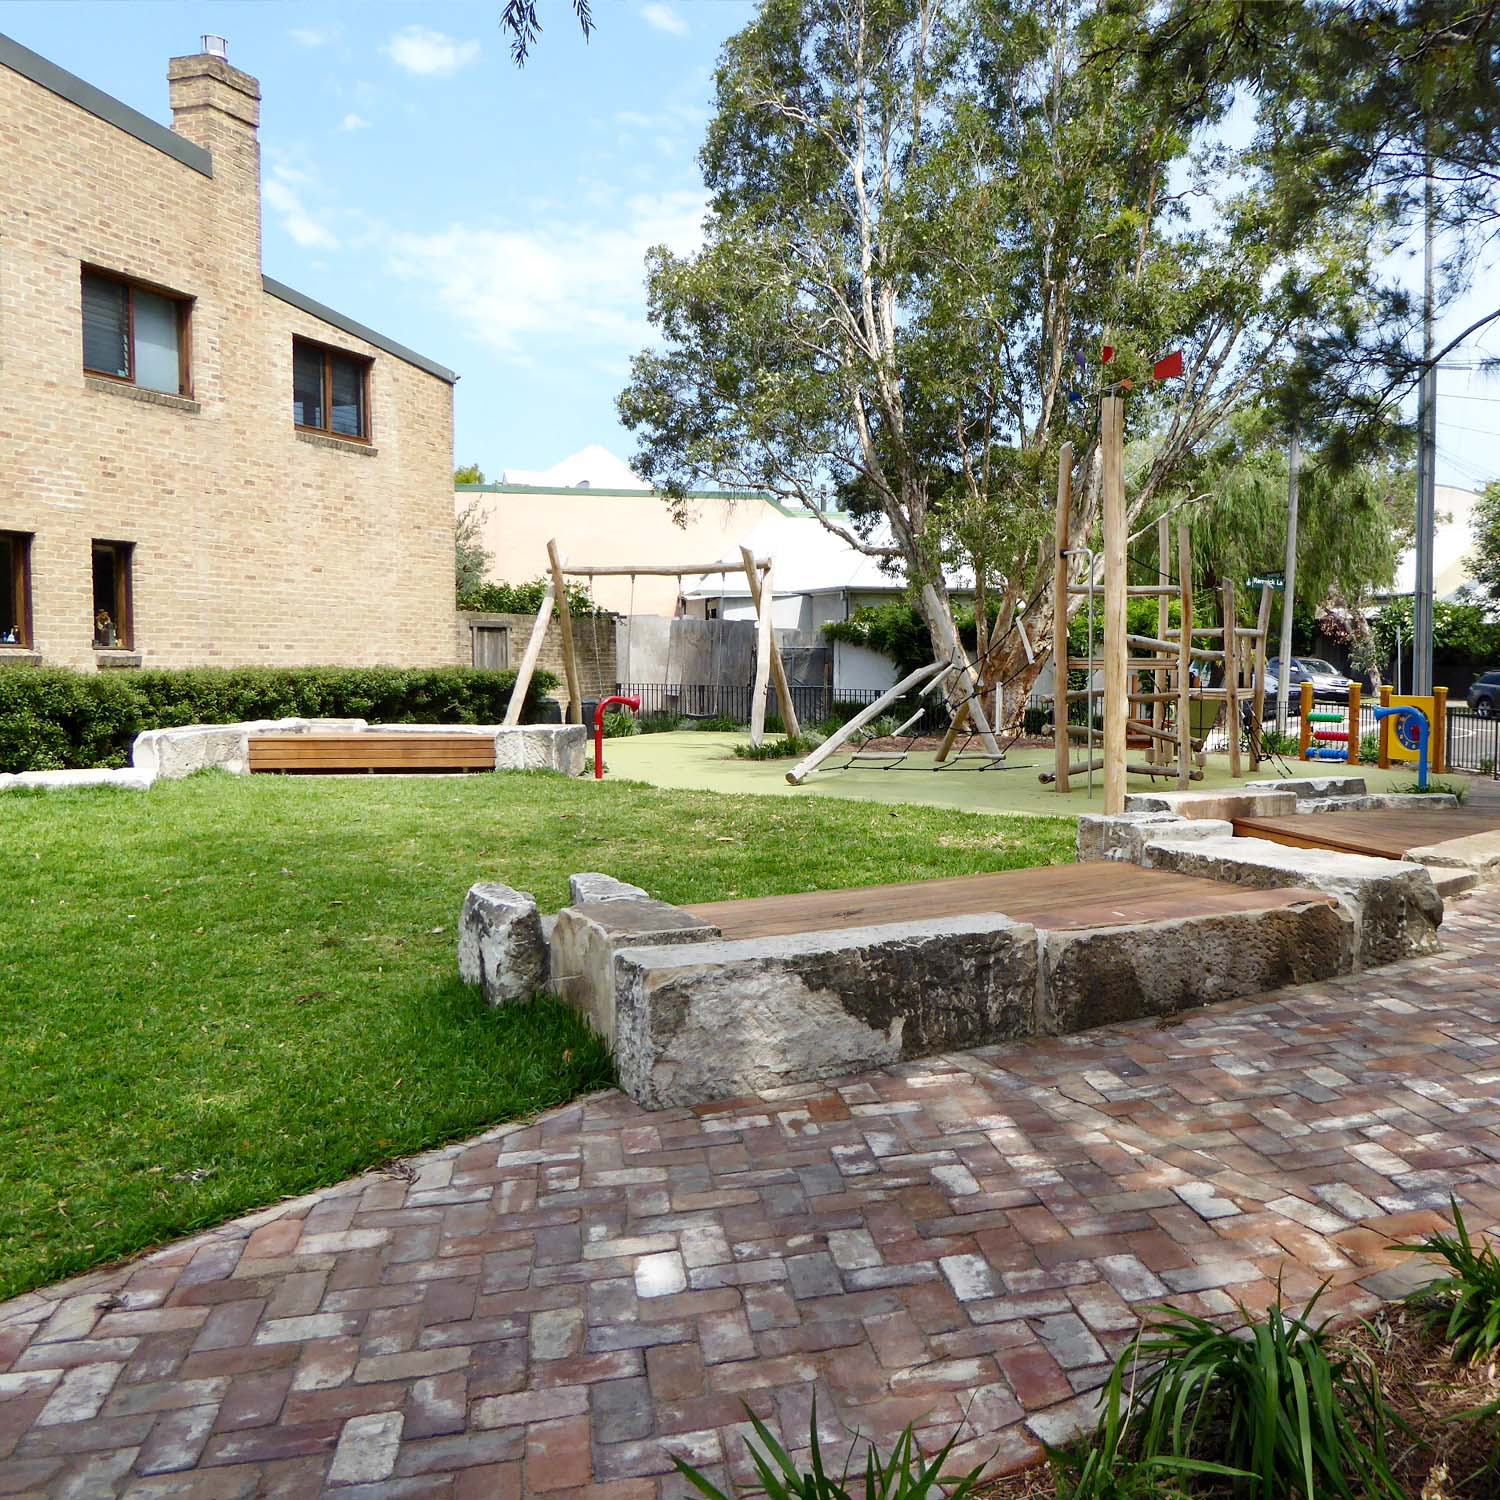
(52, 719)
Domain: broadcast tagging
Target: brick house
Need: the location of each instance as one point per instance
(198, 465)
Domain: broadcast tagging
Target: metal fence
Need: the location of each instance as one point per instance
(1473, 743)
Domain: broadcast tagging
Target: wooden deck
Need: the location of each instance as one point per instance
(1385, 834)
(340, 754)
(1058, 897)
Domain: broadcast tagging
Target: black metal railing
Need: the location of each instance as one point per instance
(1473, 743)
(702, 702)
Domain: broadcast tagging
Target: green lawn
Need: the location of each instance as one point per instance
(227, 990)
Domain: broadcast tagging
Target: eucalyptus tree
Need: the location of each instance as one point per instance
(1395, 102)
(927, 217)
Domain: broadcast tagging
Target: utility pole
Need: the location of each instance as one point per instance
(1289, 579)
(1421, 656)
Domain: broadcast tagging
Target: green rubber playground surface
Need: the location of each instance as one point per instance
(706, 762)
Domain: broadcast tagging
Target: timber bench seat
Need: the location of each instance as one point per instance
(332, 754)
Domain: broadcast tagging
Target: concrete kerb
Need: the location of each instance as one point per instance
(127, 778)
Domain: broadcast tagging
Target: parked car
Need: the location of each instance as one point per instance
(1327, 681)
(1484, 695)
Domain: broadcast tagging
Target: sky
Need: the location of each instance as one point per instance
(496, 219)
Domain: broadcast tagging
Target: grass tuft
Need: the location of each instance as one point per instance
(1464, 1306)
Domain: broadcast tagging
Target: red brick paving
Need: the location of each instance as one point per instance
(558, 1308)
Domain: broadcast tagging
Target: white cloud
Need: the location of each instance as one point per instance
(352, 121)
(313, 36)
(282, 192)
(564, 281)
(664, 18)
(433, 54)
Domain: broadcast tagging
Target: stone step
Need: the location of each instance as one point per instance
(1451, 880)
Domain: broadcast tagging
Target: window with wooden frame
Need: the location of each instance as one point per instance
(136, 334)
(114, 629)
(15, 588)
(330, 391)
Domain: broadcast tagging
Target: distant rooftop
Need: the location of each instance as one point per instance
(596, 468)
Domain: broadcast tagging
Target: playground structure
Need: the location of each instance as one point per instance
(1314, 743)
(1168, 675)
(768, 663)
(1393, 745)
(1158, 696)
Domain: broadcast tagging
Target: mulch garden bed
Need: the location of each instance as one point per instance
(1441, 1456)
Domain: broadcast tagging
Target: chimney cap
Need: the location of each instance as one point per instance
(216, 46)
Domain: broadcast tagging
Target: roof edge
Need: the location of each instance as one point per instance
(304, 303)
(103, 106)
(609, 490)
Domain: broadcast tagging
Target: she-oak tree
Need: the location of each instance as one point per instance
(926, 219)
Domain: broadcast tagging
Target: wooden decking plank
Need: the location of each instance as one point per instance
(1384, 833)
(326, 753)
(1059, 897)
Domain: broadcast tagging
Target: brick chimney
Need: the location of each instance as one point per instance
(218, 107)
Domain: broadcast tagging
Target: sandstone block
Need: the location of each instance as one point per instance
(170, 754)
(1125, 835)
(709, 1020)
(542, 747)
(500, 943)
(1395, 906)
(1478, 853)
(592, 886)
(1312, 786)
(586, 937)
(1100, 976)
(1228, 804)
(130, 779)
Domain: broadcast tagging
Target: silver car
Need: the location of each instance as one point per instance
(1328, 683)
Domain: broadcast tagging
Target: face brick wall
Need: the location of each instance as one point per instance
(253, 543)
(593, 649)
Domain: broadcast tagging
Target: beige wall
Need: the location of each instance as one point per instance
(608, 530)
(254, 544)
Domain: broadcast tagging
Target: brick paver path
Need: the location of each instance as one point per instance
(556, 1308)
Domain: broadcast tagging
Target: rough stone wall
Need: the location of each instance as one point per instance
(593, 646)
(254, 544)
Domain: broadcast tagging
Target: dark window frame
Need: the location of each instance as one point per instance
(329, 353)
(21, 588)
(123, 614)
(184, 305)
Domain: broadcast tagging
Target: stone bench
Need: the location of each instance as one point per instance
(691, 1015)
(174, 753)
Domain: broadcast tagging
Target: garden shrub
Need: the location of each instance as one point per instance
(54, 719)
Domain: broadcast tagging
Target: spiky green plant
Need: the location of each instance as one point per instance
(1263, 1401)
(903, 1475)
(1464, 1306)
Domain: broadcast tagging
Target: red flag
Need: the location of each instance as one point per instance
(1109, 354)
(1165, 369)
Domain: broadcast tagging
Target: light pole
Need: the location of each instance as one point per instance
(1289, 578)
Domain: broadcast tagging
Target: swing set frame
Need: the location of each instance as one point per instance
(768, 663)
